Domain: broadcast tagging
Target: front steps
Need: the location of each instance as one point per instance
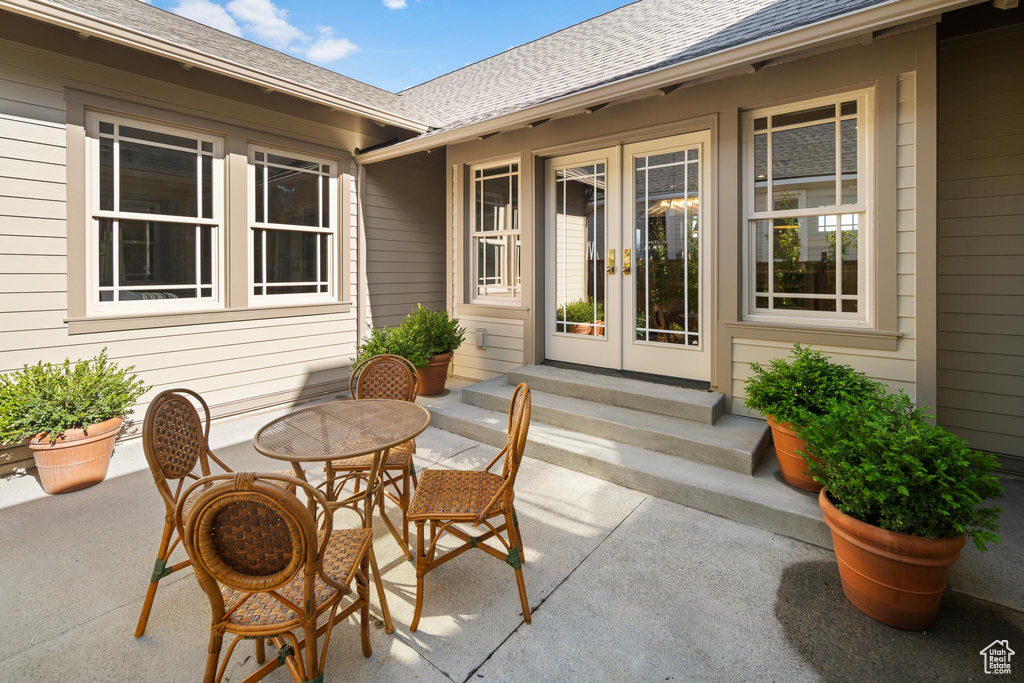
(634, 433)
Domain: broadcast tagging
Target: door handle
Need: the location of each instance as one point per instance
(611, 262)
(625, 262)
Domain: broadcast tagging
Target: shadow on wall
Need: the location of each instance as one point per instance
(842, 644)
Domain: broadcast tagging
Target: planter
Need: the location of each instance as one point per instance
(589, 329)
(792, 464)
(431, 379)
(78, 459)
(893, 578)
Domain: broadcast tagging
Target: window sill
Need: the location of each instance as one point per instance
(853, 338)
(492, 311)
(149, 320)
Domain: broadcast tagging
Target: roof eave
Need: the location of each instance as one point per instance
(122, 35)
(839, 28)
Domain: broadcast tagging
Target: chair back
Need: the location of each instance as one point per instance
(384, 376)
(175, 439)
(250, 535)
(519, 411)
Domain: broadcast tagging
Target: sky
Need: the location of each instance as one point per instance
(392, 44)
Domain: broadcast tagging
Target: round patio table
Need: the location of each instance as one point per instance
(339, 430)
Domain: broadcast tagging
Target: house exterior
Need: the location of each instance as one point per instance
(672, 189)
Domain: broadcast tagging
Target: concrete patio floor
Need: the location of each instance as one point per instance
(623, 586)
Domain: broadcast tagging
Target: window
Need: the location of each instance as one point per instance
(808, 225)
(293, 226)
(156, 195)
(495, 245)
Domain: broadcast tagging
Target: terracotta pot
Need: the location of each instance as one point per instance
(792, 464)
(893, 578)
(78, 459)
(589, 329)
(431, 379)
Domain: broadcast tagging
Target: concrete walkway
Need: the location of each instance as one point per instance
(622, 586)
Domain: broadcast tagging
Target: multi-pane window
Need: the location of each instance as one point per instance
(294, 224)
(807, 217)
(156, 203)
(495, 244)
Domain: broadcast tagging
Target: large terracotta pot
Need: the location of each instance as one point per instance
(78, 459)
(430, 380)
(792, 464)
(896, 579)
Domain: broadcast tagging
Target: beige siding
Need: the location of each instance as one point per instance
(405, 236)
(504, 350)
(895, 368)
(236, 366)
(981, 241)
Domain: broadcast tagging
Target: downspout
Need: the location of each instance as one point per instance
(362, 285)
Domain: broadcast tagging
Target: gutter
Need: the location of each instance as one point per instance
(832, 30)
(89, 26)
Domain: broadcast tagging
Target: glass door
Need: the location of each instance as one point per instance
(583, 295)
(664, 271)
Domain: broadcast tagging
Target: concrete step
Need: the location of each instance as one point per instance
(649, 397)
(733, 443)
(762, 500)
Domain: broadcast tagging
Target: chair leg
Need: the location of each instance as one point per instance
(363, 591)
(389, 626)
(516, 562)
(519, 537)
(312, 658)
(421, 570)
(404, 504)
(147, 605)
(261, 650)
(213, 657)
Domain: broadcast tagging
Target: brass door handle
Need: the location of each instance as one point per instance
(611, 262)
(625, 262)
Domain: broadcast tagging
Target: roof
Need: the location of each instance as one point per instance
(626, 42)
(161, 24)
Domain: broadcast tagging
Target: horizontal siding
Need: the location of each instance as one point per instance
(504, 350)
(981, 242)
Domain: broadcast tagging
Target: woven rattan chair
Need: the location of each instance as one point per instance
(270, 573)
(394, 377)
(176, 441)
(448, 497)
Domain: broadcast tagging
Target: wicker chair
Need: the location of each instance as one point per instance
(175, 440)
(448, 497)
(394, 377)
(269, 571)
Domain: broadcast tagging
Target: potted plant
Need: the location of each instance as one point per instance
(394, 340)
(582, 316)
(900, 496)
(438, 336)
(70, 414)
(793, 391)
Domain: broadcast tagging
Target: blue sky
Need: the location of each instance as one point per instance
(392, 44)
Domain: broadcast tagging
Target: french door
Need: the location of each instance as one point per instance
(626, 260)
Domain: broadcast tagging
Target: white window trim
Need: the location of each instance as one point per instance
(333, 242)
(867, 262)
(484, 300)
(95, 307)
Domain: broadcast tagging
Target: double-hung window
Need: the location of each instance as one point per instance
(808, 223)
(293, 226)
(495, 242)
(156, 198)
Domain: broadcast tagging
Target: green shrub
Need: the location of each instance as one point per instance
(580, 311)
(884, 463)
(797, 390)
(393, 340)
(434, 330)
(47, 398)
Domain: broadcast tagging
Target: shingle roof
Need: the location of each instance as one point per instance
(159, 23)
(629, 41)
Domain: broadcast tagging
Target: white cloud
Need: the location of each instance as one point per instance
(328, 48)
(209, 13)
(267, 22)
(395, 4)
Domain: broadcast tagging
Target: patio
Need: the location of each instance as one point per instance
(624, 586)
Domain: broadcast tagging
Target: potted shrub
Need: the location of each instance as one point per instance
(394, 340)
(70, 415)
(438, 336)
(900, 496)
(793, 391)
(581, 317)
